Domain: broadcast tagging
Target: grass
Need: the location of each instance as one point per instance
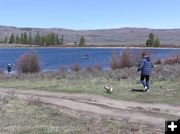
(18, 117)
(95, 85)
(21, 118)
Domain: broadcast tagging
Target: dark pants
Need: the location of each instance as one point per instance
(145, 77)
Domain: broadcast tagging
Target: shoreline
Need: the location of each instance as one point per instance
(88, 47)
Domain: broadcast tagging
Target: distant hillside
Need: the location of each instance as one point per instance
(120, 36)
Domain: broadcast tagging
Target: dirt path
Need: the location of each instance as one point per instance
(153, 114)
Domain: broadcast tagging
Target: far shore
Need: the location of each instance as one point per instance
(89, 46)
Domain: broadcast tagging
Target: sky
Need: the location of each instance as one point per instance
(91, 14)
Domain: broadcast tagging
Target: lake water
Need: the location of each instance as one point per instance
(52, 58)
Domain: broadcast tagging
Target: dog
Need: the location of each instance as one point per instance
(108, 89)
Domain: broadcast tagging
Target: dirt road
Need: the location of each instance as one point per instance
(152, 114)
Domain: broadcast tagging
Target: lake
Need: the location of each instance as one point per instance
(52, 58)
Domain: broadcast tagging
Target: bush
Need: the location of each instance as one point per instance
(28, 63)
(62, 69)
(90, 69)
(171, 61)
(94, 69)
(98, 67)
(75, 67)
(159, 61)
(1, 70)
(123, 60)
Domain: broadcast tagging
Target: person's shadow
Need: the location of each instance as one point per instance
(138, 90)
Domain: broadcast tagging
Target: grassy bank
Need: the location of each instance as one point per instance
(165, 83)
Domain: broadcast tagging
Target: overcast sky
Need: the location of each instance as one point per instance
(90, 14)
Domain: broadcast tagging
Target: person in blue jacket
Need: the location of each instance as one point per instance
(9, 68)
(145, 67)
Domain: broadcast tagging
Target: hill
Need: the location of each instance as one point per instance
(119, 36)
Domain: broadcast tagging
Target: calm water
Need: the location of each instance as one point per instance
(52, 58)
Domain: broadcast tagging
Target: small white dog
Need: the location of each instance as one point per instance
(108, 89)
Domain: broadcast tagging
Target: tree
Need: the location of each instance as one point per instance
(157, 42)
(22, 38)
(30, 39)
(25, 39)
(37, 39)
(57, 40)
(62, 40)
(6, 40)
(12, 39)
(150, 40)
(17, 39)
(82, 42)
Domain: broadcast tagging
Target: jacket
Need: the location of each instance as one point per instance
(145, 66)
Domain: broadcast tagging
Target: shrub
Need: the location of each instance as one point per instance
(62, 69)
(34, 100)
(75, 67)
(159, 61)
(123, 60)
(94, 69)
(90, 69)
(172, 60)
(1, 70)
(28, 63)
(98, 67)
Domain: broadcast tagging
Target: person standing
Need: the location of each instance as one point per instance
(9, 68)
(145, 67)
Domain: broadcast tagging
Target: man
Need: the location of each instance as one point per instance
(145, 67)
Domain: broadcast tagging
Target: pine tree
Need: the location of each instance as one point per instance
(17, 39)
(157, 42)
(37, 39)
(6, 40)
(12, 39)
(25, 38)
(150, 41)
(62, 40)
(30, 39)
(57, 40)
(82, 42)
(53, 38)
(22, 38)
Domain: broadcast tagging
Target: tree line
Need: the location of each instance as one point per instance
(43, 40)
(54, 39)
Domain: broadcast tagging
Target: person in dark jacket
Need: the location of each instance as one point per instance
(145, 67)
(9, 68)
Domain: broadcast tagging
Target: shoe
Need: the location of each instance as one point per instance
(145, 88)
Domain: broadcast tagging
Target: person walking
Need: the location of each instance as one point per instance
(145, 67)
